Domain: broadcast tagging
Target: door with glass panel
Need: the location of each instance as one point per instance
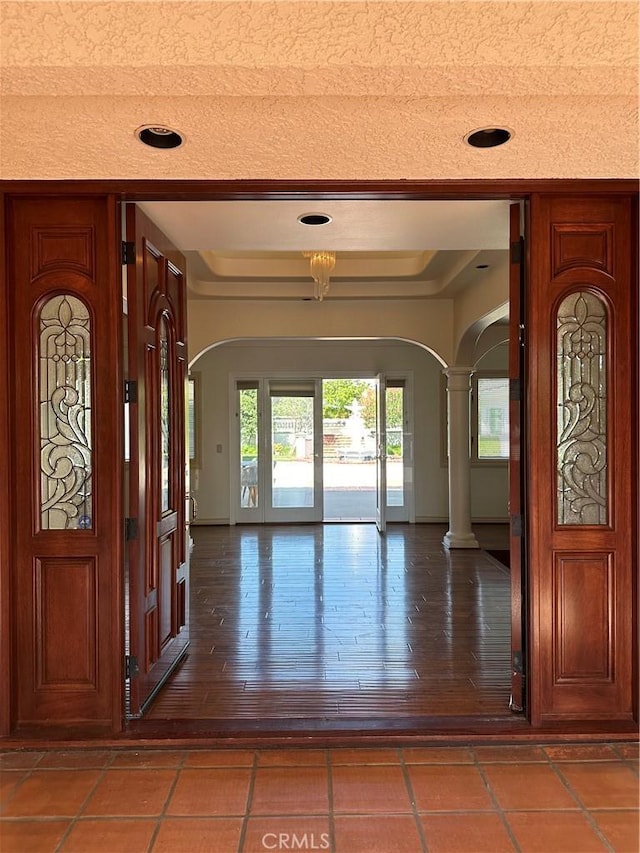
(294, 451)
(278, 475)
(398, 437)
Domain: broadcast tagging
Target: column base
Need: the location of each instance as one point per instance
(460, 540)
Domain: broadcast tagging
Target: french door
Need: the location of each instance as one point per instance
(279, 472)
(286, 454)
(294, 451)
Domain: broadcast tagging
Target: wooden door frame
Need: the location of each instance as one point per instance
(199, 190)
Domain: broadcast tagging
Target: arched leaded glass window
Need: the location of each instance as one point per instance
(65, 414)
(165, 417)
(581, 379)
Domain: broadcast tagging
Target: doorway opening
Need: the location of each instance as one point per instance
(278, 473)
(353, 439)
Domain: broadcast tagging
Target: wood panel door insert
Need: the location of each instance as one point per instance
(66, 445)
(582, 375)
(156, 300)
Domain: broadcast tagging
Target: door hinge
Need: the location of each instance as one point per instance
(517, 251)
(521, 334)
(130, 666)
(516, 525)
(515, 389)
(517, 662)
(130, 529)
(128, 252)
(130, 391)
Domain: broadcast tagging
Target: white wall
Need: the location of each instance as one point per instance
(425, 321)
(210, 482)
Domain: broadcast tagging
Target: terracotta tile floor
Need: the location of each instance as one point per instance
(552, 799)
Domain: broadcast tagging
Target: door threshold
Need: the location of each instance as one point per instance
(263, 734)
(374, 732)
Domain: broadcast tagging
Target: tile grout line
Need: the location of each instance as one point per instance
(412, 800)
(74, 820)
(629, 762)
(28, 772)
(331, 816)
(249, 802)
(172, 788)
(585, 812)
(496, 804)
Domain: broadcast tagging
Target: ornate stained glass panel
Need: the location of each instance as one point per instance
(65, 414)
(165, 421)
(581, 381)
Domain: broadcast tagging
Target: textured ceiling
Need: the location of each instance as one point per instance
(318, 90)
(385, 249)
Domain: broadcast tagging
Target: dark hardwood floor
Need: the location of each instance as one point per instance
(336, 622)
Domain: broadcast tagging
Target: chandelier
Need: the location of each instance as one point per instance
(321, 264)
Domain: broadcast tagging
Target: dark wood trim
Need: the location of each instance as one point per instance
(5, 504)
(114, 273)
(190, 190)
(278, 190)
(635, 461)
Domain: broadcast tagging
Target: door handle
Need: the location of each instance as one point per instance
(194, 507)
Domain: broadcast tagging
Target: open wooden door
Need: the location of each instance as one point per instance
(381, 454)
(516, 480)
(156, 529)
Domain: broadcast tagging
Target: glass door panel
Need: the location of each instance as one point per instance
(294, 448)
(381, 455)
(349, 449)
(249, 448)
(247, 476)
(292, 451)
(395, 421)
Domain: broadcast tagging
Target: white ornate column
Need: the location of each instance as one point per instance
(459, 534)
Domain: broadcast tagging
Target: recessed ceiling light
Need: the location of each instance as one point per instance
(314, 219)
(488, 137)
(157, 136)
(482, 267)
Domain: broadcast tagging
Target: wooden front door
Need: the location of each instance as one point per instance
(65, 474)
(582, 367)
(157, 574)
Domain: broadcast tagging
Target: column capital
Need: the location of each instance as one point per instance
(458, 378)
(459, 371)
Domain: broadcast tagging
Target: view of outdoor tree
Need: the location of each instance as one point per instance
(394, 407)
(339, 394)
(299, 409)
(249, 422)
